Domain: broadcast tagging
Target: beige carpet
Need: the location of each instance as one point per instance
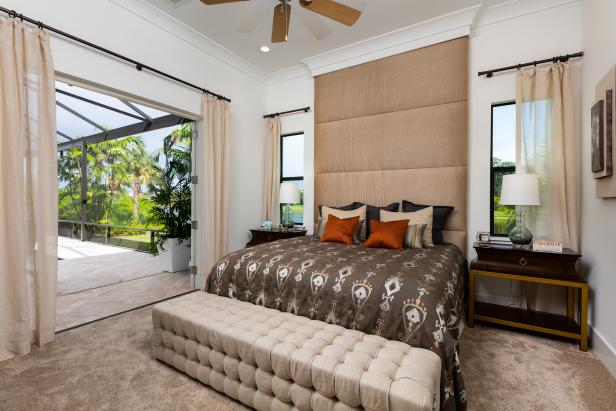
(108, 365)
(102, 366)
(510, 370)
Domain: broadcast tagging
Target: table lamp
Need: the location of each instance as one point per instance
(289, 194)
(520, 190)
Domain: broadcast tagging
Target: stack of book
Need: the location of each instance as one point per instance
(549, 246)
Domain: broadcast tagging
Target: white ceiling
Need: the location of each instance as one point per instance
(244, 27)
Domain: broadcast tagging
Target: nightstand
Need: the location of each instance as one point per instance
(263, 235)
(523, 264)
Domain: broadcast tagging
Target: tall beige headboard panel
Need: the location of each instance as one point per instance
(394, 129)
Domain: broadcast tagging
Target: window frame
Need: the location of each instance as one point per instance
(294, 178)
(493, 170)
(282, 136)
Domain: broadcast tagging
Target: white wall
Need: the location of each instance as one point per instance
(288, 95)
(498, 40)
(132, 28)
(598, 215)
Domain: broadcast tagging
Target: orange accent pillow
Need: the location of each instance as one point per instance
(340, 230)
(387, 234)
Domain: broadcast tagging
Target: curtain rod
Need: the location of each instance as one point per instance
(566, 57)
(282, 113)
(139, 66)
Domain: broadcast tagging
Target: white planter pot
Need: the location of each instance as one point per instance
(174, 256)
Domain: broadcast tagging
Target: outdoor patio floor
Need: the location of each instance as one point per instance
(96, 280)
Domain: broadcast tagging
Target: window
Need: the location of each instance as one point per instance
(503, 156)
(292, 169)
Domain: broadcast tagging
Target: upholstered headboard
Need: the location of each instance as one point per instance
(396, 129)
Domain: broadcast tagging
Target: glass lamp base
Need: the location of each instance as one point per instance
(287, 222)
(520, 235)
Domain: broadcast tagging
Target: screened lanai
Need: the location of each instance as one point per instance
(85, 117)
(104, 262)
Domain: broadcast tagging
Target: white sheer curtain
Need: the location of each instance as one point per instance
(28, 190)
(271, 186)
(548, 145)
(214, 232)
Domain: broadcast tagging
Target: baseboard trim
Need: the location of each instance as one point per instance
(604, 351)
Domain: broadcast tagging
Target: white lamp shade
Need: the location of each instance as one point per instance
(520, 189)
(289, 193)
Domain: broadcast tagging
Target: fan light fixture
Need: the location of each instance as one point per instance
(265, 49)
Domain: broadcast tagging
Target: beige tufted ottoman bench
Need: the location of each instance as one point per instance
(270, 360)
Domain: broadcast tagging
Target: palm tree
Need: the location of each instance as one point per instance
(69, 178)
(118, 158)
(109, 171)
(142, 169)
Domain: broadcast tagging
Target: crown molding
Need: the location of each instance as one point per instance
(146, 11)
(437, 30)
(516, 8)
(443, 28)
(289, 73)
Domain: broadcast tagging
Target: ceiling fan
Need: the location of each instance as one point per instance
(282, 14)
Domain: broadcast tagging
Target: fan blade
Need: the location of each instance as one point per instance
(333, 10)
(213, 2)
(280, 25)
(314, 24)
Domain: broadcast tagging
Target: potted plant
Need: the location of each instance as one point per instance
(171, 198)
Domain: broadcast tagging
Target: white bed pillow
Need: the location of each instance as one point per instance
(423, 216)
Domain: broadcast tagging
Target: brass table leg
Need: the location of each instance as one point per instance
(471, 299)
(584, 318)
(570, 303)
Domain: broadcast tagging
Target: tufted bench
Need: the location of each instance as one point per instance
(270, 360)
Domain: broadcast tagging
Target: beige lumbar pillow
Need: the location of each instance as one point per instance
(358, 212)
(423, 216)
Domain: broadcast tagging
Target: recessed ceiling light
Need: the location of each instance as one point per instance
(264, 49)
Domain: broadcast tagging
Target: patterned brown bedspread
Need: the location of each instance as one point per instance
(414, 296)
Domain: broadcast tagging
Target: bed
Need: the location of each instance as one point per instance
(389, 130)
(411, 295)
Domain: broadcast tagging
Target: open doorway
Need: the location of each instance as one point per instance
(124, 184)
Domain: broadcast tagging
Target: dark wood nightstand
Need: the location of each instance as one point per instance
(521, 264)
(263, 235)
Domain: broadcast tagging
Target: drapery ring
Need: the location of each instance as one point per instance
(40, 25)
(12, 13)
(519, 67)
